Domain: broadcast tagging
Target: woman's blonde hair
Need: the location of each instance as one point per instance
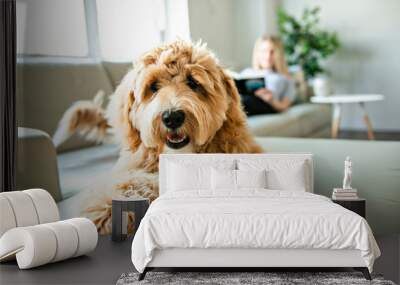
(280, 64)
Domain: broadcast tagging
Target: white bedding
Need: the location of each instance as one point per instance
(252, 218)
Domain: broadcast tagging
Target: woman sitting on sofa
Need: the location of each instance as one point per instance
(279, 91)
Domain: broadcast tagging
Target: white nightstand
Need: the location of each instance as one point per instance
(338, 100)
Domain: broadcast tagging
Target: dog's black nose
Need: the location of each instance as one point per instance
(173, 119)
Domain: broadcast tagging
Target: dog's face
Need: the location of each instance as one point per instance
(180, 97)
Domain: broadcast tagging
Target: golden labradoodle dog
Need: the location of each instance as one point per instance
(177, 98)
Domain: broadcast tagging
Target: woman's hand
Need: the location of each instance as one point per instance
(267, 96)
(264, 94)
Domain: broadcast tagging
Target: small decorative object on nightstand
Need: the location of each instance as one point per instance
(357, 205)
(346, 192)
(122, 209)
(347, 196)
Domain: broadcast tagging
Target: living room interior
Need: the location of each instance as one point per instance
(73, 58)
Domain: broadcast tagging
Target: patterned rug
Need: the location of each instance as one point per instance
(233, 278)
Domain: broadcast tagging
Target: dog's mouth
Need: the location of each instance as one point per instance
(176, 140)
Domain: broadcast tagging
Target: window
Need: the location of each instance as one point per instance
(117, 30)
(177, 20)
(51, 27)
(128, 28)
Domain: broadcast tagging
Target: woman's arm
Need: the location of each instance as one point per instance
(281, 105)
(287, 96)
(267, 96)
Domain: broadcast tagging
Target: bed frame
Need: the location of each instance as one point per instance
(242, 259)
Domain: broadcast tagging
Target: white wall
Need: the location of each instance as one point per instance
(230, 27)
(251, 20)
(128, 28)
(212, 22)
(369, 60)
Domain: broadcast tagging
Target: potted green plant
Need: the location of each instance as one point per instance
(307, 45)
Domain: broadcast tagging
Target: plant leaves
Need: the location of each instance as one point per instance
(305, 44)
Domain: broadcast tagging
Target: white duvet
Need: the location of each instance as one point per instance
(250, 219)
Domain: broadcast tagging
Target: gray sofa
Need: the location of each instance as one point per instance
(376, 171)
(45, 91)
(37, 165)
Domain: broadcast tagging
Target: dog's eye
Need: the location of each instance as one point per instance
(192, 83)
(154, 87)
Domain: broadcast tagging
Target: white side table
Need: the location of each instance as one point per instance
(338, 100)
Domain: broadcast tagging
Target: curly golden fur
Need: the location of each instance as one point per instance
(177, 76)
(215, 120)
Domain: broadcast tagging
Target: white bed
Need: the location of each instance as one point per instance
(248, 227)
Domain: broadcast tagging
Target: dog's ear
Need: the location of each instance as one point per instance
(132, 134)
(235, 110)
(235, 131)
(118, 113)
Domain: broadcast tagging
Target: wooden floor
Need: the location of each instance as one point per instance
(110, 259)
(362, 135)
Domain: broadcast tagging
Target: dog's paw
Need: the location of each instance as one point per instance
(100, 214)
(138, 185)
(85, 117)
(134, 189)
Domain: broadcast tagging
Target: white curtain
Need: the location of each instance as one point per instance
(177, 20)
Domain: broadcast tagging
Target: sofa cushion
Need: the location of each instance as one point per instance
(78, 169)
(312, 117)
(37, 162)
(46, 90)
(299, 121)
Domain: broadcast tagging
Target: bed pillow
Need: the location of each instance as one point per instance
(226, 179)
(172, 178)
(181, 172)
(251, 178)
(282, 174)
(223, 179)
(182, 177)
(293, 179)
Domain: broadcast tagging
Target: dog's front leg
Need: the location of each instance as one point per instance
(133, 184)
(146, 187)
